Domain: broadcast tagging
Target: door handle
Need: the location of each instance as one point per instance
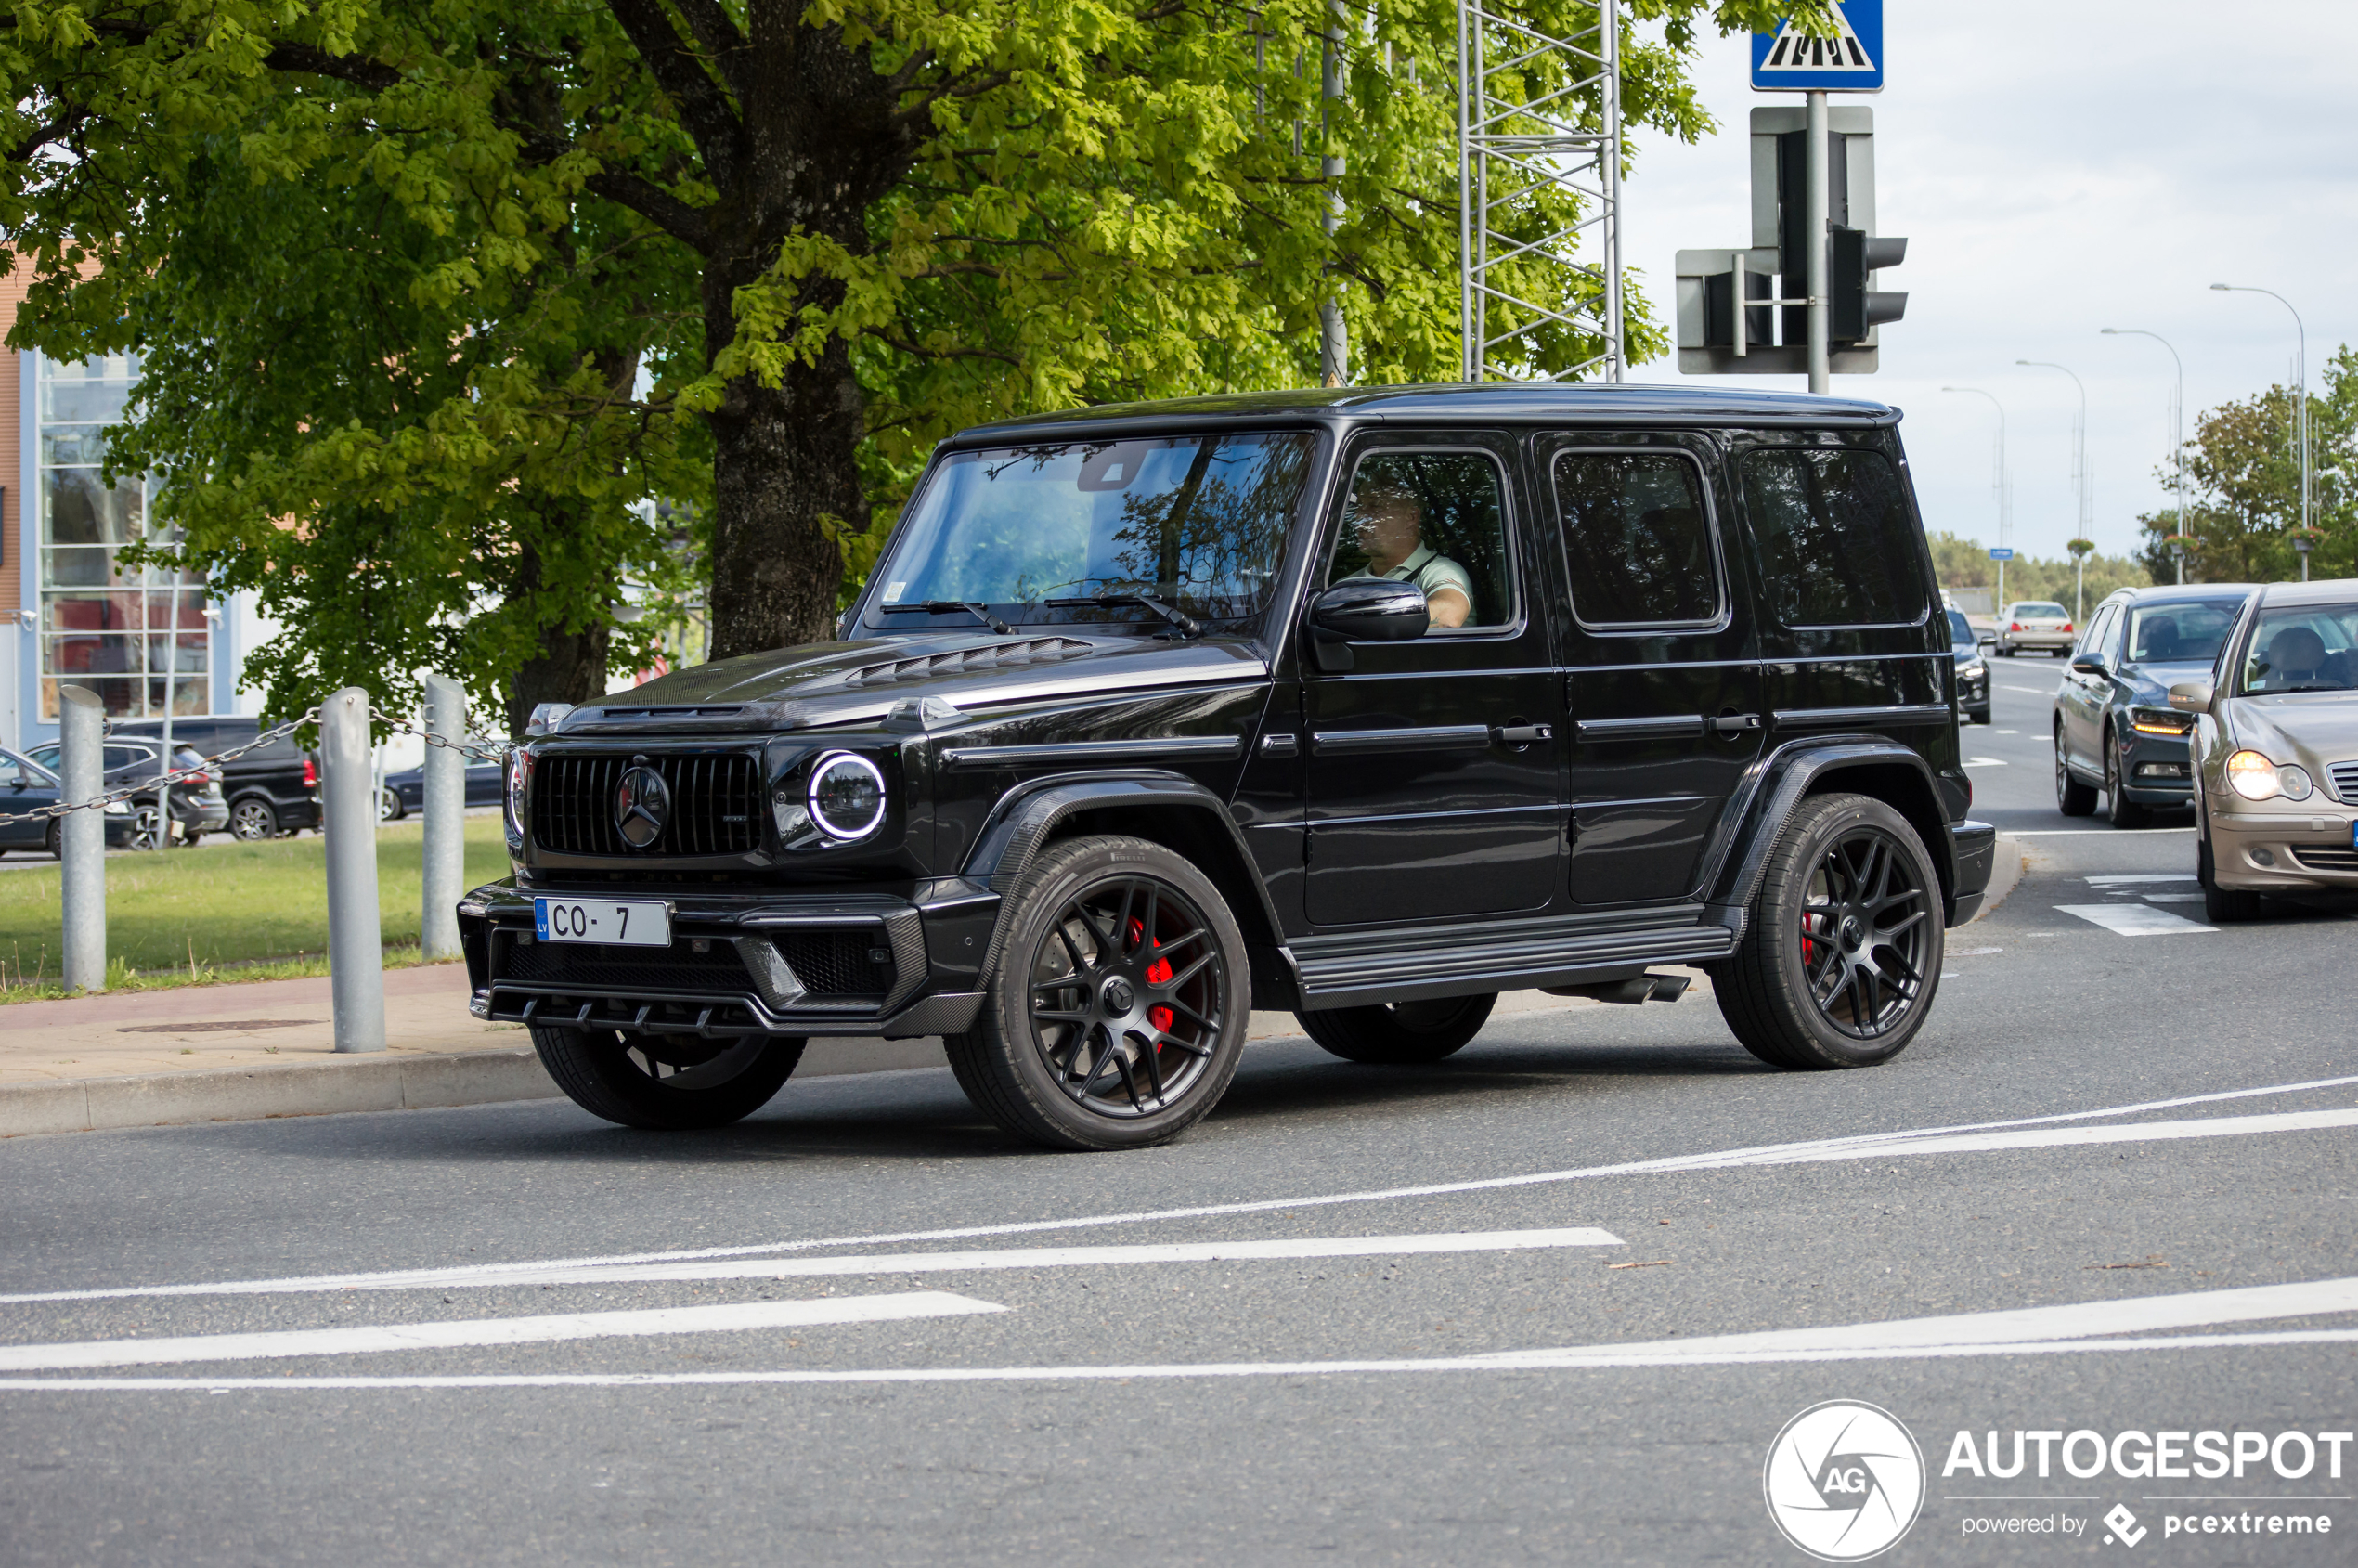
(1522, 735)
(1733, 723)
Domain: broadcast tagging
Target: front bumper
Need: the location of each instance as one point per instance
(2157, 770)
(802, 962)
(2309, 850)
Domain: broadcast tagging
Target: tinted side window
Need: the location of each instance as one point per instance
(1436, 519)
(2099, 625)
(1835, 538)
(1637, 539)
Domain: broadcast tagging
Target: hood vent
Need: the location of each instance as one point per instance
(996, 655)
(730, 711)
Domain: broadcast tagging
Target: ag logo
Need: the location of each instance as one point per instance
(1844, 1481)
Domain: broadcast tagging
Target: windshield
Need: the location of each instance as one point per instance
(2180, 633)
(2303, 648)
(1197, 521)
(1960, 628)
(2040, 612)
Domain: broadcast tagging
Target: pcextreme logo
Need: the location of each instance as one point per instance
(1844, 1481)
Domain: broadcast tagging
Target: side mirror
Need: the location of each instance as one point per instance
(1365, 610)
(1986, 640)
(2089, 664)
(2193, 696)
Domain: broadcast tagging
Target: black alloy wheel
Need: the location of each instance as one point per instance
(2072, 797)
(1842, 956)
(2119, 810)
(667, 1082)
(253, 821)
(1118, 1010)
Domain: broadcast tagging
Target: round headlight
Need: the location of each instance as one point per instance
(2254, 777)
(2294, 782)
(847, 797)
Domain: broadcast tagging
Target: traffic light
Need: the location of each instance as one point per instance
(1853, 310)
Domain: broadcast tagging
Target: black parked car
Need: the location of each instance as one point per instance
(2114, 727)
(26, 787)
(270, 791)
(197, 803)
(405, 791)
(1972, 670)
(1366, 704)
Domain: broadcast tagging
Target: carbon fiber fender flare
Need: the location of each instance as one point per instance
(1029, 815)
(1803, 767)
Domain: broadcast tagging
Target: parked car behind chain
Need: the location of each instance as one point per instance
(197, 804)
(270, 791)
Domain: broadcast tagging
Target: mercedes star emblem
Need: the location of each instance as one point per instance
(641, 805)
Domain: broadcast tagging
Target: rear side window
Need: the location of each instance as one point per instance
(1637, 539)
(1835, 538)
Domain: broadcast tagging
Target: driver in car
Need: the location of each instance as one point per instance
(1388, 519)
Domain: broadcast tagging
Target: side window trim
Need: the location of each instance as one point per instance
(1519, 618)
(1711, 538)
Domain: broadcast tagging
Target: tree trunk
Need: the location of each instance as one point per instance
(785, 476)
(570, 666)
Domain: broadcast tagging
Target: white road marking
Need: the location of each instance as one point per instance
(2033, 691)
(2006, 732)
(2173, 898)
(2091, 1327)
(2122, 878)
(428, 1277)
(1045, 1257)
(2089, 832)
(2134, 920)
(367, 1339)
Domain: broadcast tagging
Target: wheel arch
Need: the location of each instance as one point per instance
(1884, 771)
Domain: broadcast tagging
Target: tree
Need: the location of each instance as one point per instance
(845, 228)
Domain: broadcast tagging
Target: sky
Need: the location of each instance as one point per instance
(2058, 168)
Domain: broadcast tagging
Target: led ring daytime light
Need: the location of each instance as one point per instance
(847, 797)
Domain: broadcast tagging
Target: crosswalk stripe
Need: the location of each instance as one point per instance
(369, 1339)
(2135, 920)
(2120, 878)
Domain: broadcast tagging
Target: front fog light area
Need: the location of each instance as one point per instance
(847, 797)
(2256, 778)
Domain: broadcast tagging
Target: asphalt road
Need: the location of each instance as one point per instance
(2140, 1145)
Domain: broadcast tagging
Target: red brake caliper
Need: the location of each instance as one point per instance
(1158, 973)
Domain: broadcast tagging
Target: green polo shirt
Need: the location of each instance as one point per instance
(1430, 572)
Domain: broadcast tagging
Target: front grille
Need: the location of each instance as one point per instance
(716, 804)
(593, 966)
(2326, 857)
(2345, 777)
(847, 965)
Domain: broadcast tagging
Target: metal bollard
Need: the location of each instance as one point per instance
(446, 819)
(82, 837)
(356, 943)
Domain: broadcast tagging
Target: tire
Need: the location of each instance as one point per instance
(56, 842)
(1978, 715)
(1400, 1033)
(2221, 906)
(252, 820)
(2119, 810)
(1850, 897)
(389, 807)
(1072, 1048)
(149, 831)
(2006, 651)
(670, 1083)
(2072, 797)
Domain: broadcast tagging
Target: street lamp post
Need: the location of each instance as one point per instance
(2005, 495)
(2079, 444)
(2177, 414)
(2300, 396)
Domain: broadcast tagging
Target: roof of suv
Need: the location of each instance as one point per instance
(1585, 403)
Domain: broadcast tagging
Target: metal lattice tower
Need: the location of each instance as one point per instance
(1537, 114)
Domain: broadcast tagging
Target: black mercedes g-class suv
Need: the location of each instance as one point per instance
(1368, 704)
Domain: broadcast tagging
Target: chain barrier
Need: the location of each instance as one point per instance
(477, 751)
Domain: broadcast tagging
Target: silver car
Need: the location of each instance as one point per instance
(2036, 623)
(2276, 750)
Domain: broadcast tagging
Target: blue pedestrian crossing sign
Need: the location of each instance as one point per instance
(1789, 61)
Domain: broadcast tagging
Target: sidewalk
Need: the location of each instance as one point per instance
(243, 1053)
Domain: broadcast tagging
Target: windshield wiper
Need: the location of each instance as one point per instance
(979, 611)
(1188, 626)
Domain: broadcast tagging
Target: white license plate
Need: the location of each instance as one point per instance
(616, 922)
